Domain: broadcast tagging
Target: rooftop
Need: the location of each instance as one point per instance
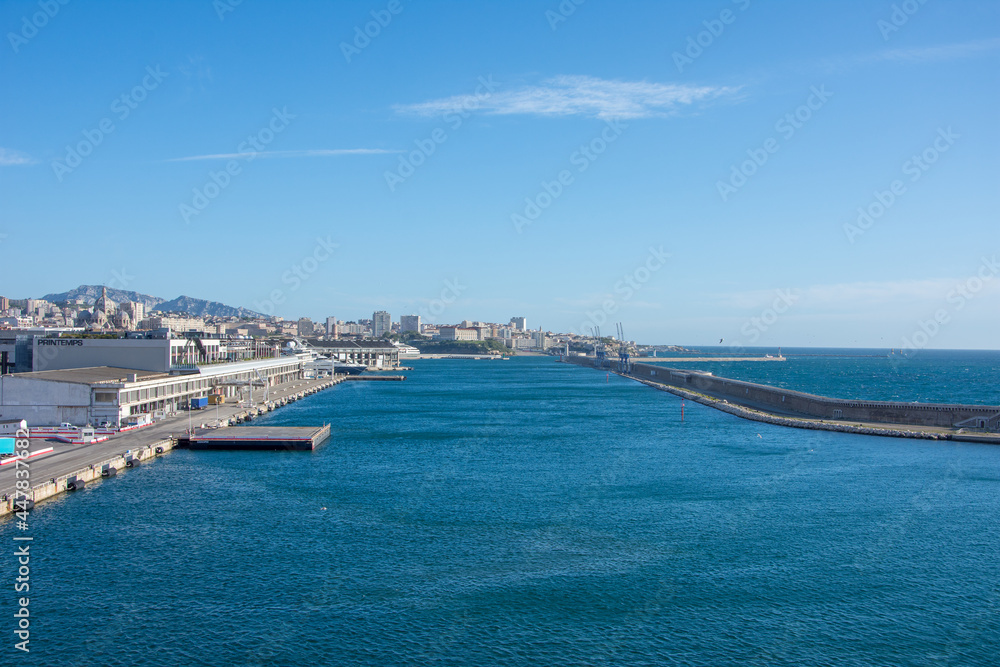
(350, 344)
(92, 375)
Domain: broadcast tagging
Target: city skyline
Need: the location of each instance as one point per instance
(736, 174)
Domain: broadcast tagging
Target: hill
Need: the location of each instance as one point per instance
(202, 308)
(91, 292)
(182, 304)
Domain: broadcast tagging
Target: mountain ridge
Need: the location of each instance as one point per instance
(183, 304)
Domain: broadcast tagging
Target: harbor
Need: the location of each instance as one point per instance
(62, 466)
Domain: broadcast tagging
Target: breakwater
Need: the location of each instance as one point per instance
(792, 408)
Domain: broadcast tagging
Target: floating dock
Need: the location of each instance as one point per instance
(290, 438)
(374, 378)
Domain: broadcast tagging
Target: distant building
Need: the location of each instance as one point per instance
(353, 329)
(457, 333)
(135, 309)
(176, 323)
(522, 343)
(375, 354)
(538, 338)
(381, 323)
(519, 323)
(331, 326)
(409, 323)
(104, 316)
(34, 305)
(4, 303)
(306, 326)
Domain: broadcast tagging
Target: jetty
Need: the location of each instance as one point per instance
(786, 407)
(58, 467)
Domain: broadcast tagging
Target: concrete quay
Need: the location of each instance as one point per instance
(72, 466)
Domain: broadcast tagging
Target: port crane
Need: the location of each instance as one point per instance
(624, 365)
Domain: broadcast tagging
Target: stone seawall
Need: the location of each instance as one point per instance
(785, 403)
(767, 418)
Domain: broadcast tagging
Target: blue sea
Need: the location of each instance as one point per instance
(528, 512)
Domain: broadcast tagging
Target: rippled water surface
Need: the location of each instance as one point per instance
(526, 512)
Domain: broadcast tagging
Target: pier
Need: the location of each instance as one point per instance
(68, 467)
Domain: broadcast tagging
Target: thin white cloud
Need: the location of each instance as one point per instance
(852, 295)
(12, 158)
(944, 52)
(577, 96)
(318, 152)
(922, 54)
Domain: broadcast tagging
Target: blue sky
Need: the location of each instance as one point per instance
(694, 170)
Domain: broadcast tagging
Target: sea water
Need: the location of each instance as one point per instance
(527, 512)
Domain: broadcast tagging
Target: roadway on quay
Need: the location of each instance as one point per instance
(66, 458)
(677, 359)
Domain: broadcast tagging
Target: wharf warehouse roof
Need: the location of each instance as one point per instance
(354, 345)
(376, 353)
(94, 375)
(97, 394)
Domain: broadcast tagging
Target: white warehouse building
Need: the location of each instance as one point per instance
(99, 394)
